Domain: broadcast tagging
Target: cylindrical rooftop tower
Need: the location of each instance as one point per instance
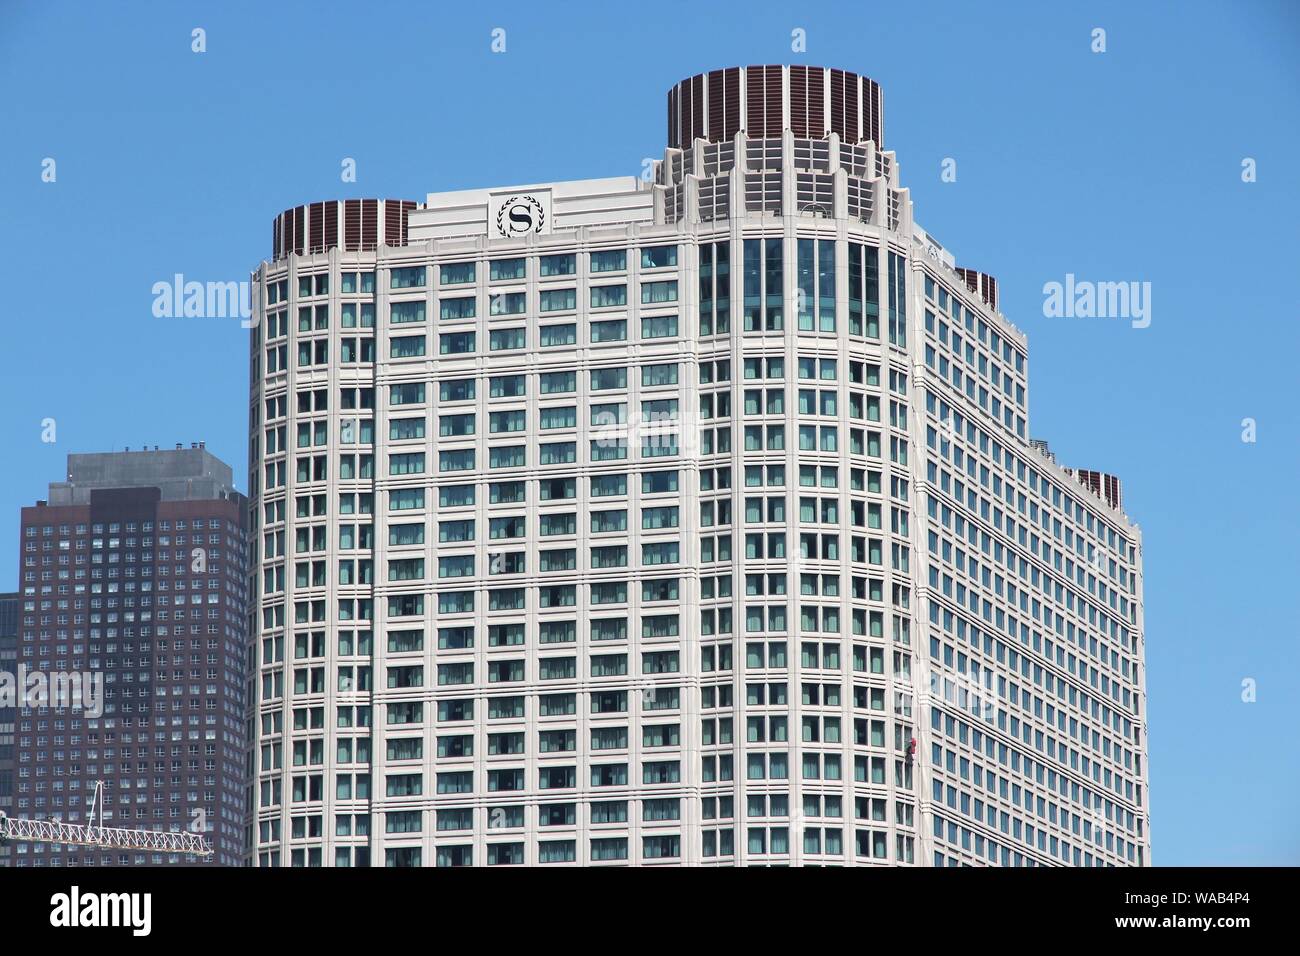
(761, 101)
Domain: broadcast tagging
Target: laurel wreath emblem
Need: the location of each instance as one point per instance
(509, 203)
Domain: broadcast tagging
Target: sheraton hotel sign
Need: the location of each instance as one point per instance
(515, 215)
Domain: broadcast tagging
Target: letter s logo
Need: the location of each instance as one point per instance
(520, 215)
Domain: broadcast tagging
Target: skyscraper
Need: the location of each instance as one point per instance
(8, 666)
(691, 519)
(131, 637)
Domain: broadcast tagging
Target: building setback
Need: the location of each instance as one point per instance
(687, 521)
(133, 575)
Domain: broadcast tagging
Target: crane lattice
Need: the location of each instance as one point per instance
(95, 834)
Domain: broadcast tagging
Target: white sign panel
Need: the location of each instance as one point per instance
(514, 215)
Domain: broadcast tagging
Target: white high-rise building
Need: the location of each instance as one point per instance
(692, 520)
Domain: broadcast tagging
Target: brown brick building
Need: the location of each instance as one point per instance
(132, 598)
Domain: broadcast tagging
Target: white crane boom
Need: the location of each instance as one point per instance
(95, 834)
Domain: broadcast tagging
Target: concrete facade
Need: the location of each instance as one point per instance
(690, 521)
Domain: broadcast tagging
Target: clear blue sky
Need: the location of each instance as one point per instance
(1124, 165)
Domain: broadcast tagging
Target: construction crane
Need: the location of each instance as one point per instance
(95, 834)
